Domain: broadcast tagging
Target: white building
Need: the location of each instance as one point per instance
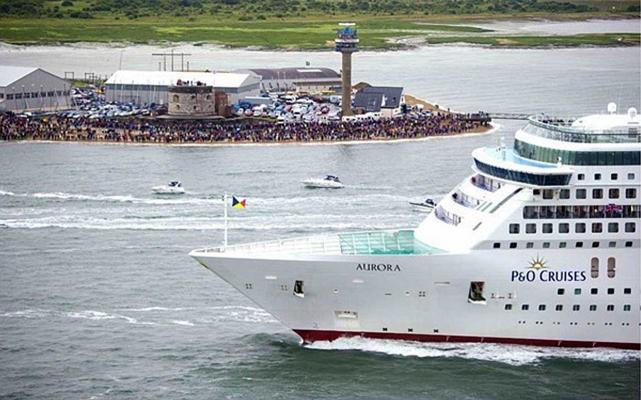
(32, 89)
(146, 87)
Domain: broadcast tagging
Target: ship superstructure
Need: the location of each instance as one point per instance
(540, 245)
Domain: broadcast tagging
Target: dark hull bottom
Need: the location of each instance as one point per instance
(310, 336)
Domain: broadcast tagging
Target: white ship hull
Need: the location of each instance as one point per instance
(382, 296)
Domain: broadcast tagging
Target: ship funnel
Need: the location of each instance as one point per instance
(612, 108)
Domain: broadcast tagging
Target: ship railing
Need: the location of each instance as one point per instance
(560, 129)
(357, 243)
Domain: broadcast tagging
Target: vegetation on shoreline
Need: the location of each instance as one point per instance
(297, 24)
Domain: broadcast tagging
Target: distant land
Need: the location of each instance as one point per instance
(301, 24)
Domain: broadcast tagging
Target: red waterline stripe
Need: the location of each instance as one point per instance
(310, 336)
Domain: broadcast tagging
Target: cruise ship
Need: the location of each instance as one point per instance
(538, 246)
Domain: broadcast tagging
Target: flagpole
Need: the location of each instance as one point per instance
(226, 224)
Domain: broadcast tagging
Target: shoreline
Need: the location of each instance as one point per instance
(493, 127)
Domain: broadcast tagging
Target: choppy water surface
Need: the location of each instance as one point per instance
(98, 298)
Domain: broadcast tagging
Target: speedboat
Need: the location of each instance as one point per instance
(173, 187)
(425, 206)
(328, 182)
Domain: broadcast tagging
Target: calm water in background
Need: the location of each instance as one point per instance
(98, 298)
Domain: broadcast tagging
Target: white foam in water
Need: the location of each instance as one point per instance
(181, 322)
(508, 354)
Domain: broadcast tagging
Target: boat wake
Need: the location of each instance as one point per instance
(110, 198)
(508, 354)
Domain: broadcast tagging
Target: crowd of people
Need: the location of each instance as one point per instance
(144, 130)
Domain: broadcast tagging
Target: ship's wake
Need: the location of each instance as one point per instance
(508, 354)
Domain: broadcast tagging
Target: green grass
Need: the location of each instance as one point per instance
(312, 32)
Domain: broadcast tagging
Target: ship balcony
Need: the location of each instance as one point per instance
(504, 164)
(382, 242)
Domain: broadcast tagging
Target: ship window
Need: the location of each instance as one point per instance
(508, 307)
(579, 227)
(597, 211)
(611, 267)
(592, 307)
(564, 193)
(541, 307)
(577, 291)
(630, 193)
(613, 227)
(298, 289)
(626, 307)
(513, 245)
(610, 307)
(546, 245)
(548, 211)
(614, 177)
(627, 290)
(613, 193)
(421, 293)
(581, 211)
(536, 192)
(597, 193)
(475, 295)
(576, 307)
(529, 245)
(630, 227)
(628, 244)
(597, 177)
(597, 227)
(581, 177)
(564, 228)
(562, 245)
(595, 244)
(547, 228)
(514, 228)
(579, 244)
(548, 194)
(530, 212)
(581, 194)
(525, 307)
(594, 290)
(564, 211)
(560, 291)
(612, 244)
(496, 245)
(610, 290)
(594, 267)
(249, 286)
(630, 176)
(530, 228)
(559, 307)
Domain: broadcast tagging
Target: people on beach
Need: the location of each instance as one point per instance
(142, 130)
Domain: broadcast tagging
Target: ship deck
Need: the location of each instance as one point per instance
(381, 242)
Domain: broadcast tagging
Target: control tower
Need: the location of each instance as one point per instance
(346, 42)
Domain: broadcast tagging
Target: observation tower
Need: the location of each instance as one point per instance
(346, 43)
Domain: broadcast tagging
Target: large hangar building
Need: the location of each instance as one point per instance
(309, 80)
(32, 89)
(147, 87)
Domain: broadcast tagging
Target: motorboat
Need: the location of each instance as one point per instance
(173, 187)
(424, 206)
(328, 182)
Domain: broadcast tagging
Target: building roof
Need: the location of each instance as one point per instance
(10, 74)
(373, 98)
(168, 78)
(370, 102)
(295, 73)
